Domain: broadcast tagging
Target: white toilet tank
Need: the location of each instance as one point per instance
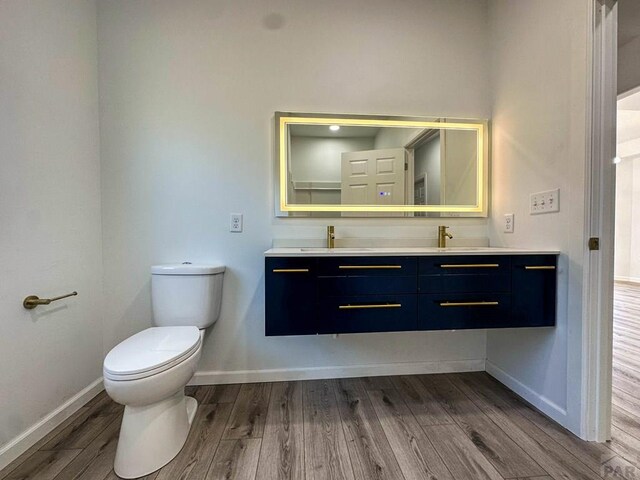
(186, 294)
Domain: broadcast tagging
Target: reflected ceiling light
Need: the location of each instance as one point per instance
(334, 128)
(617, 160)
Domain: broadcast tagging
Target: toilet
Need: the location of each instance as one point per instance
(148, 371)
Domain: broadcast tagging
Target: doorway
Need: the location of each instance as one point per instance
(625, 405)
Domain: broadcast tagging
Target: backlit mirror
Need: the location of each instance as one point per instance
(356, 165)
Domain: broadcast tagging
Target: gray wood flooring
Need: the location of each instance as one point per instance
(625, 429)
(450, 427)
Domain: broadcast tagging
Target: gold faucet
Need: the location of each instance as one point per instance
(442, 236)
(331, 237)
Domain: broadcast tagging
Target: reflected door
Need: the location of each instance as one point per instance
(373, 177)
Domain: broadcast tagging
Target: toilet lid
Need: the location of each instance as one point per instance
(187, 268)
(152, 349)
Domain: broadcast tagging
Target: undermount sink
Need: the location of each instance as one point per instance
(338, 250)
(401, 251)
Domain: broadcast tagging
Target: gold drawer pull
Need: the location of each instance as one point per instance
(370, 267)
(290, 270)
(354, 307)
(468, 304)
(470, 265)
(539, 267)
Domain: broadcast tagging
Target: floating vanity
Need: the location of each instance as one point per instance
(355, 290)
(339, 165)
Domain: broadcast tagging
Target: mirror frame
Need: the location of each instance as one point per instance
(284, 119)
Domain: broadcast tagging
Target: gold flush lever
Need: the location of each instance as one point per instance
(32, 301)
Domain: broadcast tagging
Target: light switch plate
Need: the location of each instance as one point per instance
(545, 202)
(235, 222)
(508, 223)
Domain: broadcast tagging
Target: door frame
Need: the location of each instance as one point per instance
(599, 222)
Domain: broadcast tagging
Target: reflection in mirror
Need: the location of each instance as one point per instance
(355, 166)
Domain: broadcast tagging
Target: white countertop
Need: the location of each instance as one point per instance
(400, 251)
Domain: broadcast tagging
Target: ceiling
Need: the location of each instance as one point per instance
(632, 102)
(323, 131)
(628, 21)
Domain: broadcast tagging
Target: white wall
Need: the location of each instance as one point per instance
(624, 219)
(427, 161)
(539, 138)
(628, 45)
(627, 228)
(460, 167)
(395, 137)
(50, 231)
(627, 260)
(628, 66)
(188, 90)
(319, 159)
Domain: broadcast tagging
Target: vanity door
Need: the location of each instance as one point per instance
(534, 290)
(291, 296)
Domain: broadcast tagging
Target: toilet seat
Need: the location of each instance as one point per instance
(150, 352)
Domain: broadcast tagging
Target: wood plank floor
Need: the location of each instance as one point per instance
(625, 431)
(450, 427)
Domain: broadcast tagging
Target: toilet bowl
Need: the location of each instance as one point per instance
(148, 371)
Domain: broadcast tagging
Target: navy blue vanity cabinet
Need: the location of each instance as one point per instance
(291, 296)
(312, 295)
(367, 294)
(463, 292)
(533, 290)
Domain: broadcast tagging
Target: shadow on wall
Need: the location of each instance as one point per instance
(235, 328)
(274, 21)
(42, 312)
(136, 317)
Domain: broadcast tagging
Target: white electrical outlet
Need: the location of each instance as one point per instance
(235, 222)
(545, 202)
(508, 223)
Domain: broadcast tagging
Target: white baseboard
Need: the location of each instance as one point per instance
(216, 377)
(542, 403)
(619, 278)
(20, 444)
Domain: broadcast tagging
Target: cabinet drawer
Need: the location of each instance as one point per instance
(373, 313)
(376, 285)
(535, 262)
(462, 311)
(368, 266)
(291, 265)
(465, 264)
(478, 283)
